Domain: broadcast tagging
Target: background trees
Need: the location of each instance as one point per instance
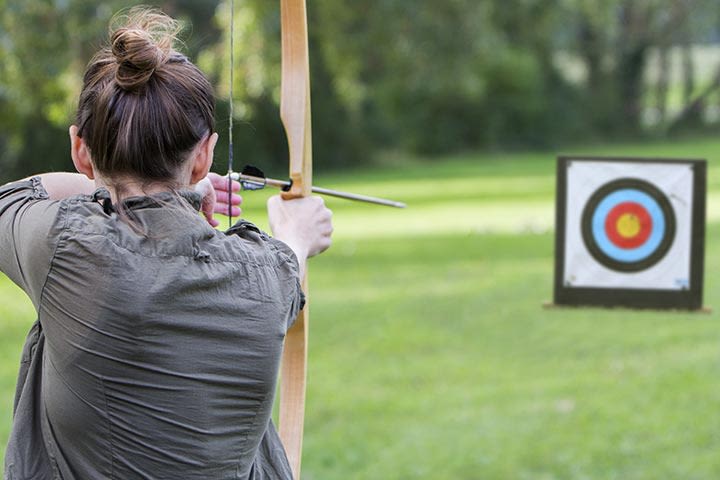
(427, 76)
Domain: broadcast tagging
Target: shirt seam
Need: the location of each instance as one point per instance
(110, 429)
(63, 230)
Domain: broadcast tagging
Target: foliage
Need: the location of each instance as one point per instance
(44, 47)
(427, 76)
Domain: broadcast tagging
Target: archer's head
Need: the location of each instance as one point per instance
(146, 113)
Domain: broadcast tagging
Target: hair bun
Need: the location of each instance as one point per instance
(141, 44)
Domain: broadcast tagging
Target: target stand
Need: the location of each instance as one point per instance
(630, 232)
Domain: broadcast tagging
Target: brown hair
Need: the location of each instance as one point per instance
(143, 105)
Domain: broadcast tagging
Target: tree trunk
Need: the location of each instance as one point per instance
(663, 82)
(591, 52)
(631, 62)
(688, 71)
(693, 108)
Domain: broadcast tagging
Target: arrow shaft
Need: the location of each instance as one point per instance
(358, 198)
(285, 184)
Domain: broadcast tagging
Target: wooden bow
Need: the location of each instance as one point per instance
(295, 115)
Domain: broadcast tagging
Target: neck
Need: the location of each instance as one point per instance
(122, 187)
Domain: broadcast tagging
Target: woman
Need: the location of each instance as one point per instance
(156, 350)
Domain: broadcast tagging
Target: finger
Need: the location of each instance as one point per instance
(210, 219)
(223, 186)
(221, 183)
(223, 209)
(328, 229)
(222, 197)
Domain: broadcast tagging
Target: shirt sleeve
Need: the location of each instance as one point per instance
(27, 217)
(288, 266)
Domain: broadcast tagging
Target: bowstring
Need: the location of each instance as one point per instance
(230, 123)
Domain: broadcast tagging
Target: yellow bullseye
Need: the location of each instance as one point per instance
(628, 225)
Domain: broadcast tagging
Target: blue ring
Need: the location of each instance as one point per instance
(632, 254)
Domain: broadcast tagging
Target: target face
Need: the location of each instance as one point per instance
(628, 225)
(630, 232)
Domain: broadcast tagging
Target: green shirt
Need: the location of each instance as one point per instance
(158, 340)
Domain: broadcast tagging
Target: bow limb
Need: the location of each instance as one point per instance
(295, 115)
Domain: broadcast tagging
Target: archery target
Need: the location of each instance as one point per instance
(628, 225)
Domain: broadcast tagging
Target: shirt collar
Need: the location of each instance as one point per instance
(156, 200)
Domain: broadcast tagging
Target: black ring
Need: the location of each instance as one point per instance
(655, 194)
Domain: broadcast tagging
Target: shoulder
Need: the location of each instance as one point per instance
(250, 234)
(27, 201)
(27, 212)
(30, 224)
(15, 196)
(284, 263)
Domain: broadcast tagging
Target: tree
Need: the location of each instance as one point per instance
(44, 47)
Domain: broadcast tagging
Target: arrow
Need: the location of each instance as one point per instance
(252, 178)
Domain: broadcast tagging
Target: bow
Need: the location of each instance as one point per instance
(295, 115)
(296, 118)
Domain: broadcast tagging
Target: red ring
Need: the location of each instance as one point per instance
(633, 209)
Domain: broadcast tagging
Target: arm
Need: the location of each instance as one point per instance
(303, 224)
(213, 188)
(61, 185)
(26, 220)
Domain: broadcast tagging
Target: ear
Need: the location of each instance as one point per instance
(80, 154)
(203, 159)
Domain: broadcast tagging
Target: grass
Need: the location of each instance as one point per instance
(432, 358)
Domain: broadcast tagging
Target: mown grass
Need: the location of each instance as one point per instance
(431, 356)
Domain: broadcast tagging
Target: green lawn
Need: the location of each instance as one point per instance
(432, 358)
